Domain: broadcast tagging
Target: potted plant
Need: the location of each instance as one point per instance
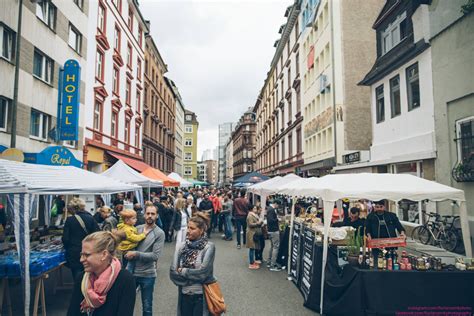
(353, 247)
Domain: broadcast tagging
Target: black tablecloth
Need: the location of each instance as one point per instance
(352, 291)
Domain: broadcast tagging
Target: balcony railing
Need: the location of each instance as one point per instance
(464, 170)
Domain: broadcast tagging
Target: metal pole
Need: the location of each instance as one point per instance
(17, 70)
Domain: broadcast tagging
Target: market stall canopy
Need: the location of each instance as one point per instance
(200, 183)
(138, 165)
(182, 182)
(121, 171)
(272, 186)
(373, 186)
(19, 177)
(156, 174)
(249, 179)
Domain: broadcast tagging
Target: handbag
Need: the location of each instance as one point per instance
(214, 298)
(258, 233)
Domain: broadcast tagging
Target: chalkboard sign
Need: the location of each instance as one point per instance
(307, 255)
(295, 253)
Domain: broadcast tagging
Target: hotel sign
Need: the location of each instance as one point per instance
(69, 94)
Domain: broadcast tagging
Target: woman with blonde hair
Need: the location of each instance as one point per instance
(193, 266)
(180, 221)
(76, 228)
(104, 288)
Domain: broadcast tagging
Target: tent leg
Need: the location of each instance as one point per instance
(328, 207)
(290, 237)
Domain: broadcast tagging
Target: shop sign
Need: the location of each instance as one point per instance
(54, 156)
(68, 108)
(353, 157)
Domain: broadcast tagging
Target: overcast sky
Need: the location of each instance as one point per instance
(217, 52)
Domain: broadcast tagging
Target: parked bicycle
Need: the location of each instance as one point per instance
(438, 229)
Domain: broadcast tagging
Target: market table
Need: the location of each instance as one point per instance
(354, 291)
(39, 291)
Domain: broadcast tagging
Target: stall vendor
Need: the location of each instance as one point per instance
(353, 220)
(382, 224)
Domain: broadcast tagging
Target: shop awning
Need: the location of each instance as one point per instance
(182, 182)
(156, 174)
(136, 164)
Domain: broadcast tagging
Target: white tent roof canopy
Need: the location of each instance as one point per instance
(122, 172)
(18, 177)
(182, 182)
(372, 186)
(273, 185)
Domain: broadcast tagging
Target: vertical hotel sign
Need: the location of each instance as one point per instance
(69, 90)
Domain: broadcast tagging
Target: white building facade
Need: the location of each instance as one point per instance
(114, 95)
(179, 136)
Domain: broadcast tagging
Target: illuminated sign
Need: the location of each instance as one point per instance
(69, 94)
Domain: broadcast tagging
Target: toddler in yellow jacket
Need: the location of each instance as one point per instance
(132, 238)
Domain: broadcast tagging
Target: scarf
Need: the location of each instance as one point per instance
(190, 252)
(95, 288)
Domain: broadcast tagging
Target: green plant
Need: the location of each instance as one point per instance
(468, 7)
(355, 242)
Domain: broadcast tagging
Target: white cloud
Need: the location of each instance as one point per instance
(218, 54)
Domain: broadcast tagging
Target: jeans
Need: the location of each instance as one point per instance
(251, 256)
(259, 252)
(228, 225)
(274, 246)
(192, 305)
(147, 286)
(221, 222)
(241, 224)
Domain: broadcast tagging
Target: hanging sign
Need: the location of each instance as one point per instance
(69, 91)
(53, 156)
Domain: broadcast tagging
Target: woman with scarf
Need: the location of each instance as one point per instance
(192, 267)
(104, 288)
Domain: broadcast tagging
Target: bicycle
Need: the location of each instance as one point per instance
(438, 231)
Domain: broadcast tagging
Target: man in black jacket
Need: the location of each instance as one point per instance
(353, 220)
(274, 234)
(207, 207)
(166, 216)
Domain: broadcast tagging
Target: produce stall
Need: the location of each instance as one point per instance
(23, 184)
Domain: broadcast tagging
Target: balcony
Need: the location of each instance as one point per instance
(464, 171)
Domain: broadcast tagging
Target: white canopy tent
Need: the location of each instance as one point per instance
(122, 172)
(23, 183)
(395, 187)
(182, 182)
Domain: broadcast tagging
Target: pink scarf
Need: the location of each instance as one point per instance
(95, 288)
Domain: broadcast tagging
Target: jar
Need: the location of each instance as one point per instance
(420, 264)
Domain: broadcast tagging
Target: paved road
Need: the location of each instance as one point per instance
(246, 292)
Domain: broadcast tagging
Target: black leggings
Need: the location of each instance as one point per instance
(192, 305)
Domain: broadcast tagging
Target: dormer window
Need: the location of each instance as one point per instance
(394, 33)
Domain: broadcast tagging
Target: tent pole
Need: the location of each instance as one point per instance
(328, 207)
(466, 235)
(290, 238)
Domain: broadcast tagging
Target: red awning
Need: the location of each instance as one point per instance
(136, 164)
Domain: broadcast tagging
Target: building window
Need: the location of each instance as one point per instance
(79, 3)
(116, 83)
(283, 149)
(380, 104)
(75, 39)
(43, 66)
(118, 4)
(137, 135)
(139, 100)
(4, 105)
(117, 39)
(465, 140)
(129, 55)
(298, 141)
(413, 87)
(188, 129)
(39, 125)
(70, 143)
(146, 66)
(127, 131)
(139, 69)
(128, 92)
(290, 146)
(46, 12)
(140, 36)
(188, 171)
(394, 33)
(97, 124)
(114, 125)
(188, 142)
(189, 117)
(7, 42)
(99, 71)
(188, 156)
(101, 16)
(130, 20)
(395, 96)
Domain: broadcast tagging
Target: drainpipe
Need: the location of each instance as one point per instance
(17, 70)
(333, 79)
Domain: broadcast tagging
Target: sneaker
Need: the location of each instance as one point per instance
(223, 236)
(238, 247)
(254, 266)
(268, 264)
(258, 262)
(275, 268)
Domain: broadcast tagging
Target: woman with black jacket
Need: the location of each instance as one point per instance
(77, 227)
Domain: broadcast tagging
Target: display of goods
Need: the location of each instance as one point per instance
(40, 262)
(387, 242)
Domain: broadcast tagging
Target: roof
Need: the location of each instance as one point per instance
(19, 177)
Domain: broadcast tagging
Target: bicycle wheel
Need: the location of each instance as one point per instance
(424, 235)
(415, 233)
(449, 240)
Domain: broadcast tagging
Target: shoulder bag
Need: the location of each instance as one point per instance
(214, 298)
(81, 222)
